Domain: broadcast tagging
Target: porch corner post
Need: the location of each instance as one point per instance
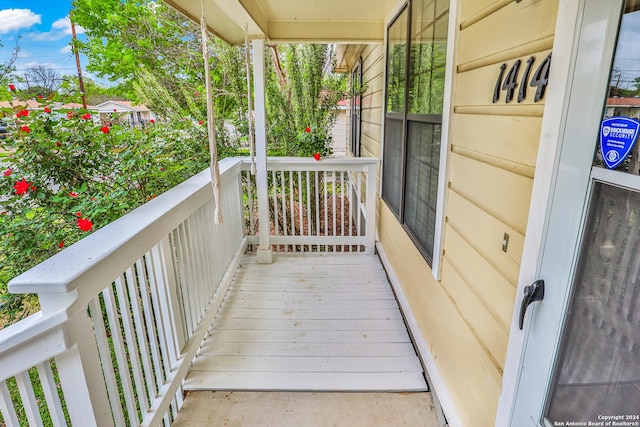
(265, 255)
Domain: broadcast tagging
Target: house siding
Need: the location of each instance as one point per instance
(465, 318)
(372, 101)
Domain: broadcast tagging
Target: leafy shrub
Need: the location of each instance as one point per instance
(70, 174)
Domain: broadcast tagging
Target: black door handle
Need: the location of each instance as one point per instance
(533, 292)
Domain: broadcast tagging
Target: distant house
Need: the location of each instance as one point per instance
(125, 112)
(339, 135)
(625, 107)
(34, 105)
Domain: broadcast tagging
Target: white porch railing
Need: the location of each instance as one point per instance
(318, 205)
(125, 310)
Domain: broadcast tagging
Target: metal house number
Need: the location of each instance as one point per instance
(509, 83)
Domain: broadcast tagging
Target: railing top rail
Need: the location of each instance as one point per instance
(324, 164)
(31, 341)
(97, 256)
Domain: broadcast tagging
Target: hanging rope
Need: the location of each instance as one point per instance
(247, 61)
(211, 130)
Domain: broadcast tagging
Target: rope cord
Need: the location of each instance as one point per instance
(211, 130)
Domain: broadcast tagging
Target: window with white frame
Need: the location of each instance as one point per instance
(415, 65)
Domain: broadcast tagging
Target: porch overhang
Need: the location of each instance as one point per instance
(329, 21)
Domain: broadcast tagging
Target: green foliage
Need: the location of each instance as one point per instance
(156, 54)
(65, 166)
(95, 93)
(7, 70)
(302, 94)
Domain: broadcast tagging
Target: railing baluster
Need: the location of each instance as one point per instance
(309, 219)
(326, 209)
(252, 228)
(152, 328)
(134, 281)
(284, 205)
(130, 339)
(50, 391)
(121, 353)
(333, 207)
(317, 196)
(107, 362)
(292, 208)
(350, 200)
(358, 216)
(188, 292)
(300, 207)
(166, 307)
(342, 218)
(6, 406)
(28, 399)
(274, 185)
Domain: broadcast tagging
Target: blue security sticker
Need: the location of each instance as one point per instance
(617, 137)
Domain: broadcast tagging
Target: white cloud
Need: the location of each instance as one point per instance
(17, 19)
(30, 64)
(59, 29)
(66, 49)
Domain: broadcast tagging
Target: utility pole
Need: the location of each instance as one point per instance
(75, 50)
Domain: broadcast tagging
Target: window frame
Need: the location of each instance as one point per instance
(435, 260)
(355, 121)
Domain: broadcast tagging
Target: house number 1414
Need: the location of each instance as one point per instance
(539, 80)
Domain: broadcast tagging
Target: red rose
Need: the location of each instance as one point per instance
(152, 121)
(47, 110)
(25, 129)
(12, 88)
(73, 194)
(200, 122)
(61, 244)
(58, 144)
(86, 116)
(316, 156)
(85, 224)
(70, 115)
(104, 129)
(22, 187)
(307, 129)
(78, 214)
(8, 172)
(22, 113)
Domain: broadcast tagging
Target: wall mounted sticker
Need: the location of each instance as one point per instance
(617, 137)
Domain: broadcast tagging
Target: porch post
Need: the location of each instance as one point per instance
(264, 248)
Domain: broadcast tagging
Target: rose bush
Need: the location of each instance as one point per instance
(68, 175)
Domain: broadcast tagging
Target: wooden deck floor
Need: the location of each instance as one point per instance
(308, 323)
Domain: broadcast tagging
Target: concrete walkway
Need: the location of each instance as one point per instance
(278, 409)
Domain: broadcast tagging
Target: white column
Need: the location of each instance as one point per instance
(264, 248)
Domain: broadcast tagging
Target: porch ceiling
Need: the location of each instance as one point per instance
(313, 21)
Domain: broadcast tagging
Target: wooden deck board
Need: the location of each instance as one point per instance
(308, 323)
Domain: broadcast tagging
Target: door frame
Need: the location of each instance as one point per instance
(552, 179)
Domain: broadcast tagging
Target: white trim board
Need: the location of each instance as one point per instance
(447, 108)
(440, 393)
(553, 125)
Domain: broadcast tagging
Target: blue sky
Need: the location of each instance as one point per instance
(44, 31)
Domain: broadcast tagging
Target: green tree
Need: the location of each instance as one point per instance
(302, 98)
(147, 45)
(96, 93)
